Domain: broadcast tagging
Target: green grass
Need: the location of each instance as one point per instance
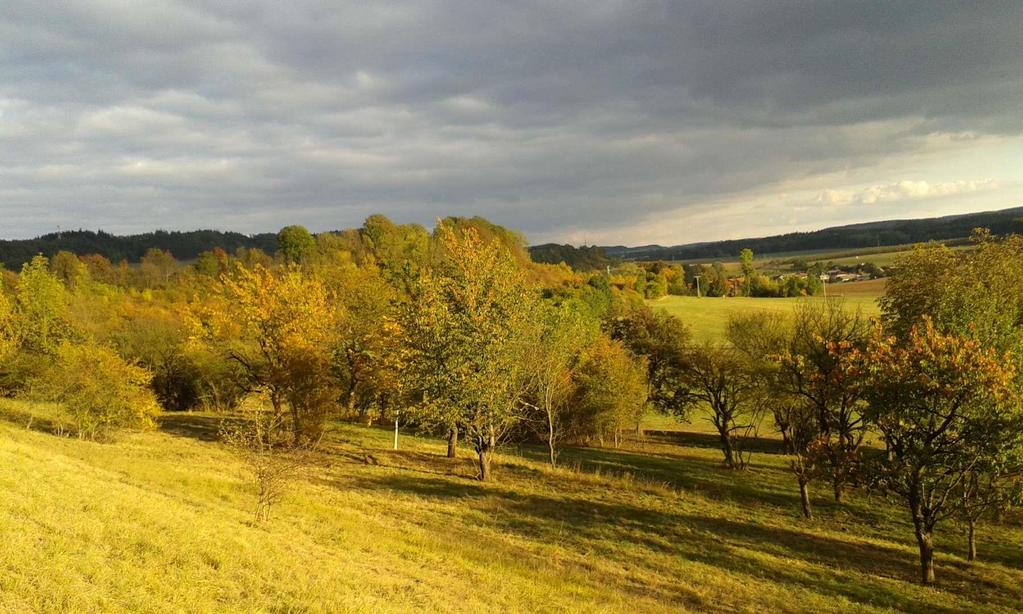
(708, 317)
(161, 521)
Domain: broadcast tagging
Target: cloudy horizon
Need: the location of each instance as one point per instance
(599, 122)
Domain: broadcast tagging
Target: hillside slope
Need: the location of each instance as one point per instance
(162, 521)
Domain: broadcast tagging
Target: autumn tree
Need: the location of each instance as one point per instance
(69, 269)
(9, 339)
(610, 391)
(812, 368)
(98, 389)
(563, 334)
(946, 407)
(41, 308)
(281, 328)
(157, 266)
(467, 324)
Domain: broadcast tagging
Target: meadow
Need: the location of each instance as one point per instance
(162, 521)
(707, 317)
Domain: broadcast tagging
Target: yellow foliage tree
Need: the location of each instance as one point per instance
(281, 327)
(99, 390)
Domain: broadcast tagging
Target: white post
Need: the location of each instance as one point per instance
(395, 431)
(697, 285)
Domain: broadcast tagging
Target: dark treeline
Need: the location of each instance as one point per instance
(184, 245)
(872, 234)
(585, 258)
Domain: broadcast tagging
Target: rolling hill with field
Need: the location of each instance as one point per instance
(707, 317)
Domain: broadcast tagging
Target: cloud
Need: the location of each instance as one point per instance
(583, 118)
(902, 190)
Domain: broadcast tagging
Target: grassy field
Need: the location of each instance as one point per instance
(161, 521)
(708, 317)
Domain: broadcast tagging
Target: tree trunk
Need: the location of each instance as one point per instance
(971, 533)
(923, 538)
(804, 498)
(837, 485)
(485, 450)
(552, 451)
(452, 442)
(726, 447)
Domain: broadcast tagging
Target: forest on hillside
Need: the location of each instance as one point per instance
(871, 234)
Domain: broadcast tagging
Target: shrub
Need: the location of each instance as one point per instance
(99, 390)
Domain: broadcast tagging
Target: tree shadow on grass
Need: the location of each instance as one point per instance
(689, 439)
(31, 421)
(861, 557)
(194, 426)
(607, 529)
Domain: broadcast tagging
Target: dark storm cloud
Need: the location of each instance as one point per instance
(552, 118)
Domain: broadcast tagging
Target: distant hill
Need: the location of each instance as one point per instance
(870, 234)
(183, 245)
(585, 258)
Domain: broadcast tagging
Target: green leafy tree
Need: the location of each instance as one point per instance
(563, 334)
(610, 391)
(663, 340)
(722, 380)
(748, 270)
(467, 328)
(41, 308)
(295, 244)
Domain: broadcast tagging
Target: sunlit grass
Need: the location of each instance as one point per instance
(162, 521)
(707, 317)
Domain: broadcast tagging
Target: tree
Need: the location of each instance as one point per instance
(562, 336)
(762, 338)
(9, 339)
(990, 488)
(69, 269)
(41, 308)
(157, 267)
(467, 324)
(281, 327)
(731, 388)
(295, 244)
(812, 368)
(748, 270)
(272, 458)
(99, 390)
(664, 340)
(946, 406)
(973, 293)
(610, 391)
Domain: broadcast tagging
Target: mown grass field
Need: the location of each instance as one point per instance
(161, 521)
(707, 317)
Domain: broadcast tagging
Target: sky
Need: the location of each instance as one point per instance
(580, 121)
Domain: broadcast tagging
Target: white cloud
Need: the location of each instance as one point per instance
(903, 190)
